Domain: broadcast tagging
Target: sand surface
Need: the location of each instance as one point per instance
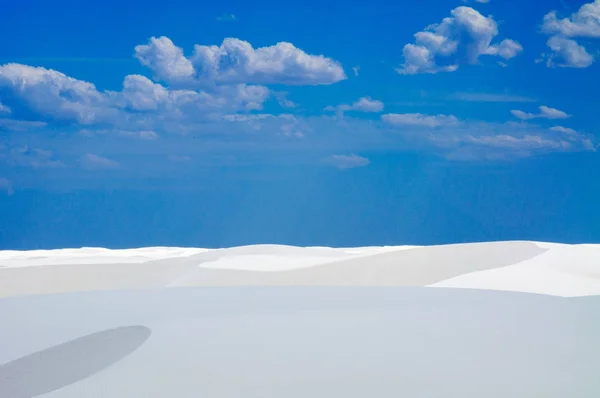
(534, 267)
(494, 320)
(296, 342)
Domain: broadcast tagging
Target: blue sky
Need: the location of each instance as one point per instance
(318, 123)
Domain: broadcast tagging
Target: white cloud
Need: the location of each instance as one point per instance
(141, 105)
(92, 161)
(148, 135)
(524, 142)
(462, 37)
(583, 23)
(166, 60)
(364, 104)
(283, 125)
(52, 93)
(567, 53)
(235, 61)
(347, 161)
(507, 49)
(565, 130)
(545, 113)
(419, 119)
(355, 69)
(575, 136)
(141, 94)
(500, 141)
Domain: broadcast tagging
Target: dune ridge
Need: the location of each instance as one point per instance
(531, 267)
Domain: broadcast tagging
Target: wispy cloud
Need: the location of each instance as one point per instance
(92, 161)
(35, 158)
(4, 109)
(347, 161)
(227, 18)
(6, 186)
(544, 113)
(283, 100)
(488, 97)
(364, 104)
(20, 125)
(419, 119)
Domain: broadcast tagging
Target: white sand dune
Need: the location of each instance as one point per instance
(282, 321)
(533, 267)
(91, 255)
(564, 270)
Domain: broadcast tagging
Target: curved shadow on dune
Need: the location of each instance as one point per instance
(414, 267)
(67, 363)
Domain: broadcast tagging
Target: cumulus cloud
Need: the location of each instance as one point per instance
(544, 113)
(347, 161)
(364, 104)
(236, 61)
(165, 59)
(566, 52)
(419, 119)
(507, 49)
(141, 94)
(462, 37)
(583, 23)
(93, 161)
(52, 93)
(142, 104)
(196, 90)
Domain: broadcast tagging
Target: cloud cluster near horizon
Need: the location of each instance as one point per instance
(221, 92)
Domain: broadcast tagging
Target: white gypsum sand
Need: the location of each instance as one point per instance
(535, 267)
(298, 342)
